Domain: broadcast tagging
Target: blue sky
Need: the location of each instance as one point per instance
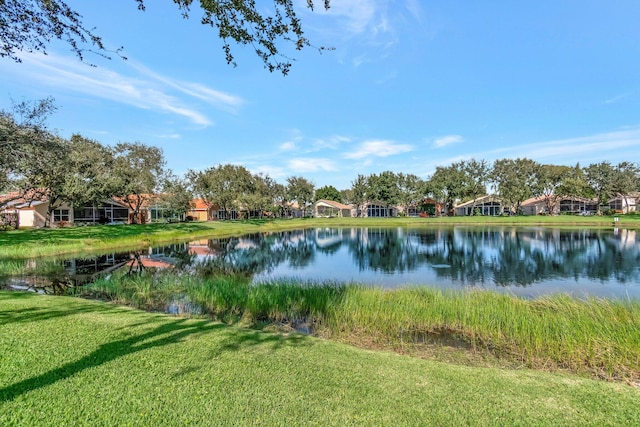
(411, 85)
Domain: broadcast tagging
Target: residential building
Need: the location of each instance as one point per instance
(330, 208)
(490, 205)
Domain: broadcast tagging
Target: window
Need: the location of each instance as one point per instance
(60, 215)
(232, 214)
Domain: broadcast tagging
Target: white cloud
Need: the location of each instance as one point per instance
(221, 99)
(358, 15)
(308, 164)
(169, 136)
(273, 171)
(288, 146)
(148, 90)
(332, 142)
(364, 32)
(447, 140)
(617, 98)
(292, 144)
(414, 8)
(378, 148)
(614, 146)
(603, 145)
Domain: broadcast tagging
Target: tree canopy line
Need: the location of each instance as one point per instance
(270, 30)
(36, 163)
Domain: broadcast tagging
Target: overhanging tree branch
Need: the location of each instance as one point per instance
(31, 25)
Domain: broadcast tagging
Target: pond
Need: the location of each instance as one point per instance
(527, 261)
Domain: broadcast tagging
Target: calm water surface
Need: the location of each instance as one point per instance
(527, 261)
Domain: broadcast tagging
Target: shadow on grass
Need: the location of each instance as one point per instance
(36, 314)
(167, 333)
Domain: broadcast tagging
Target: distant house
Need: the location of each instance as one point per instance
(109, 211)
(145, 202)
(34, 213)
(293, 210)
(625, 203)
(430, 207)
(9, 214)
(375, 209)
(577, 205)
(536, 206)
(31, 211)
(562, 205)
(328, 208)
(490, 205)
(200, 210)
(424, 208)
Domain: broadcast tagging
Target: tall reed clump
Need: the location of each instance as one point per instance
(601, 336)
(146, 291)
(223, 297)
(295, 301)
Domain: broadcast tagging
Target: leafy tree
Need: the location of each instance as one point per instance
(226, 186)
(575, 184)
(601, 177)
(24, 142)
(260, 195)
(266, 192)
(34, 162)
(550, 183)
(346, 196)
(138, 170)
(448, 184)
(278, 194)
(176, 196)
(409, 187)
(328, 192)
(384, 188)
(47, 176)
(476, 175)
(626, 180)
(30, 25)
(90, 175)
(359, 192)
(515, 180)
(301, 190)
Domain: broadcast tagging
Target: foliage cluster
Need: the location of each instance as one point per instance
(30, 25)
(38, 164)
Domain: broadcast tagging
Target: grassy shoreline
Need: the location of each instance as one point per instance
(68, 361)
(595, 337)
(20, 244)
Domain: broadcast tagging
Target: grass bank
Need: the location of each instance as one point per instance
(595, 337)
(68, 361)
(26, 243)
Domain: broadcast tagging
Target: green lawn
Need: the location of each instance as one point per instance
(67, 361)
(41, 242)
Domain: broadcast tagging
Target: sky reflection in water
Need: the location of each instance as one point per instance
(527, 261)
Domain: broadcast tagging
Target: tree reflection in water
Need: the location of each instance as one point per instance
(454, 256)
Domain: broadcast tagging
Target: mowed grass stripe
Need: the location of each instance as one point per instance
(67, 361)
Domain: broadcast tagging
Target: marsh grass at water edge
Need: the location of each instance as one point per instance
(597, 337)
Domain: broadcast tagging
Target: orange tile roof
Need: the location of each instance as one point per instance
(199, 204)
